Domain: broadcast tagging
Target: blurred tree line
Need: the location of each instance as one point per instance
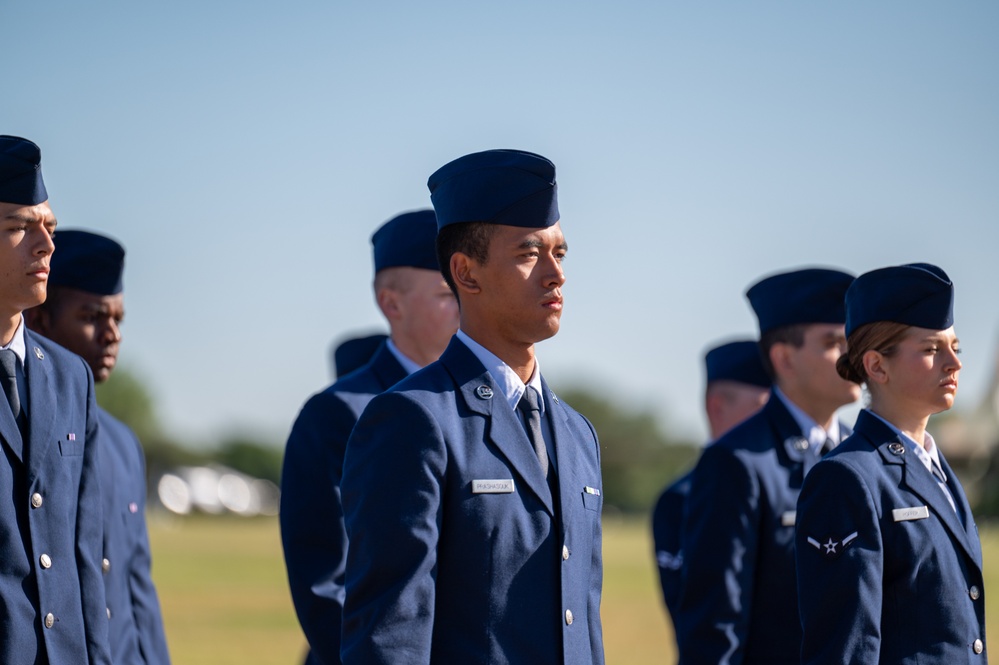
(128, 398)
(638, 458)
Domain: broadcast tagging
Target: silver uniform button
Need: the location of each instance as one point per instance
(978, 646)
(45, 560)
(974, 592)
(568, 617)
(109, 612)
(49, 620)
(36, 500)
(105, 565)
(565, 552)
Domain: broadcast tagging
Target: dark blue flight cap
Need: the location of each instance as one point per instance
(87, 261)
(21, 172)
(737, 361)
(407, 240)
(509, 187)
(355, 353)
(916, 294)
(809, 295)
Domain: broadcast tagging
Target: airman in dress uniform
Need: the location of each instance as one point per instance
(737, 386)
(889, 560)
(471, 493)
(52, 601)
(422, 315)
(738, 601)
(83, 312)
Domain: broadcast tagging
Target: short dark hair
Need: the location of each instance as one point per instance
(469, 238)
(793, 334)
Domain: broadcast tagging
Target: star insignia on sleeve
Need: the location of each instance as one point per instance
(832, 548)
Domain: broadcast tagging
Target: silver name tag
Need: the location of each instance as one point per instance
(787, 519)
(497, 486)
(907, 514)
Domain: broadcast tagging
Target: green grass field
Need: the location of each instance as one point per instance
(225, 597)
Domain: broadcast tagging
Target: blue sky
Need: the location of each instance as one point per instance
(245, 151)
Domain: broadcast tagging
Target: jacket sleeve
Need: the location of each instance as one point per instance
(392, 497)
(597, 579)
(719, 544)
(89, 539)
(145, 601)
(311, 517)
(839, 559)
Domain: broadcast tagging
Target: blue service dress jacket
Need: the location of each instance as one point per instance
(311, 515)
(52, 603)
(136, 623)
(888, 572)
(738, 602)
(667, 520)
(459, 550)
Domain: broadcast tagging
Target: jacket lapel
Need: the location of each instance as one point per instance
(970, 531)
(563, 455)
(793, 450)
(916, 479)
(386, 368)
(9, 430)
(503, 429)
(41, 401)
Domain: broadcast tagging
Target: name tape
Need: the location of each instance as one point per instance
(494, 486)
(908, 514)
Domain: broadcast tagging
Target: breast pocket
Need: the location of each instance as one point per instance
(71, 448)
(592, 499)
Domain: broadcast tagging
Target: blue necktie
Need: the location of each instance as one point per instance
(530, 408)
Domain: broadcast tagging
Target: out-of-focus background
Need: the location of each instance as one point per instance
(244, 152)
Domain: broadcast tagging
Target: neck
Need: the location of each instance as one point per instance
(816, 409)
(8, 326)
(913, 425)
(519, 356)
(413, 350)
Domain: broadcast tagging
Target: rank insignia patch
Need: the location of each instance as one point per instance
(832, 548)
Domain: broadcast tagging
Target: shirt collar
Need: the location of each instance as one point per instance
(407, 363)
(17, 342)
(927, 452)
(811, 430)
(508, 381)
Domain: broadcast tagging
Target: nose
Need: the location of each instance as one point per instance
(556, 276)
(955, 362)
(112, 331)
(45, 244)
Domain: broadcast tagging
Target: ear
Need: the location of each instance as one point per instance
(463, 271)
(874, 365)
(388, 302)
(713, 406)
(38, 319)
(780, 358)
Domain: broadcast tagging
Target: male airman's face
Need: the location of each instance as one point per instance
(87, 324)
(428, 308)
(25, 249)
(814, 364)
(521, 282)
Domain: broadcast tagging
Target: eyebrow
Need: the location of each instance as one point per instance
(531, 243)
(30, 219)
